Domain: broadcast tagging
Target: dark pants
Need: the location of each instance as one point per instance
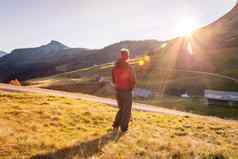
(124, 100)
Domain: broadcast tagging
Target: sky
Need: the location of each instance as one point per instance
(98, 23)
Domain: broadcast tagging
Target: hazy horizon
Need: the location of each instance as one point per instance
(94, 24)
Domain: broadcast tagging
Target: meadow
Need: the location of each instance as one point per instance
(41, 126)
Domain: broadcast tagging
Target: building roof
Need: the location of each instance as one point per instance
(140, 92)
(221, 95)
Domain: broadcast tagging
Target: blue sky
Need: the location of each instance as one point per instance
(97, 23)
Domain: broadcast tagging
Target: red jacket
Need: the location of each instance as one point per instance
(123, 76)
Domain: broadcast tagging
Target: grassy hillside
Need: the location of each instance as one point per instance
(170, 82)
(154, 74)
(38, 126)
(166, 85)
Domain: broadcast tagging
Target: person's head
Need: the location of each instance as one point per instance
(125, 54)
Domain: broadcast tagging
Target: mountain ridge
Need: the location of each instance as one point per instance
(2, 53)
(51, 46)
(214, 49)
(47, 59)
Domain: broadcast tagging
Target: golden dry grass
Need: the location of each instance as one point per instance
(39, 126)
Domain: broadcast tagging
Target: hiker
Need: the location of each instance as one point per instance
(123, 78)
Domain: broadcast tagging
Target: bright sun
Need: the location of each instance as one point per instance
(186, 26)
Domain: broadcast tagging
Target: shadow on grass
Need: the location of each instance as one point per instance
(81, 150)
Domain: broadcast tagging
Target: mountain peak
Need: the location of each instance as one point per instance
(56, 44)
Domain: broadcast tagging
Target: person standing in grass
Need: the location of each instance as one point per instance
(123, 78)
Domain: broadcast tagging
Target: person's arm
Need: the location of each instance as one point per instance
(132, 78)
(113, 76)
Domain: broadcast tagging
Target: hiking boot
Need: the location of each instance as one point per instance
(115, 130)
(122, 133)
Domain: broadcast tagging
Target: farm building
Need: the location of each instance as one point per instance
(143, 93)
(221, 98)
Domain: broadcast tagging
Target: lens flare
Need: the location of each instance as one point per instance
(147, 58)
(163, 45)
(190, 48)
(141, 62)
(186, 26)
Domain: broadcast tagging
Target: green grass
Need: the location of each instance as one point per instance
(196, 105)
(40, 126)
(170, 84)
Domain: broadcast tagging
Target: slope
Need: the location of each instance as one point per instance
(212, 48)
(54, 127)
(2, 53)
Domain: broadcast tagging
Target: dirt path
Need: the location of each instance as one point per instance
(111, 102)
